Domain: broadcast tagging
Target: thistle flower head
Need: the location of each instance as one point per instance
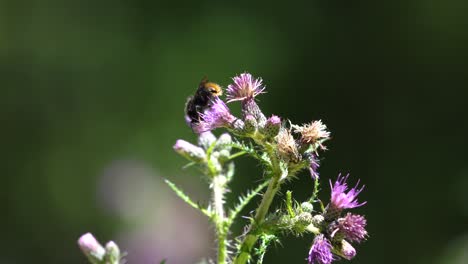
(217, 115)
(352, 227)
(287, 147)
(188, 150)
(340, 198)
(205, 139)
(250, 124)
(91, 247)
(244, 87)
(112, 252)
(313, 132)
(313, 166)
(274, 120)
(320, 252)
(272, 126)
(346, 250)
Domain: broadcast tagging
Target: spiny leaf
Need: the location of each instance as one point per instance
(187, 199)
(244, 200)
(249, 149)
(265, 241)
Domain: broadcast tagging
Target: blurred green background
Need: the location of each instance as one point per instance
(92, 102)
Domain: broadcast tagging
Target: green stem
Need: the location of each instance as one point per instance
(219, 188)
(238, 154)
(251, 238)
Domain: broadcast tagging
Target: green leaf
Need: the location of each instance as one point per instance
(265, 241)
(249, 149)
(289, 205)
(244, 200)
(187, 199)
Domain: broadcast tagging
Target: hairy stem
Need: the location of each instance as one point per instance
(251, 238)
(219, 188)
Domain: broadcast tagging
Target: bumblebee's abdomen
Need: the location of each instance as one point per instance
(202, 98)
(191, 110)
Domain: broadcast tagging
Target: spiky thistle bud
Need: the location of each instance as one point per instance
(307, 207)
(112, 253)
(304, 219)
(91, 248)
(189, 151)
(250, 124)
(272, 127)
(318, 220)
(224, 142)
(205, 139)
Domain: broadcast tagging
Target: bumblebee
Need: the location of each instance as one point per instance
(202, 100)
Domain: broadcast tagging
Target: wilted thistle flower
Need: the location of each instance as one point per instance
(244, 87)
(217, 115)
(341, 198)
(352, 227)
(287, 148)
(320, 252)
(313, 133)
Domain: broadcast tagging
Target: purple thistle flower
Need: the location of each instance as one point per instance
(244, 87)
(320, 252)
(342, 199)
(352, 227)
(274, 120)
(314, 165)
(218, 115)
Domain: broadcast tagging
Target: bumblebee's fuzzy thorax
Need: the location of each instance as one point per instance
(201, 100)
(213, 88)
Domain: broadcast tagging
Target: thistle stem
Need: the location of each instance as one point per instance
(219, 188)
(251, 238)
